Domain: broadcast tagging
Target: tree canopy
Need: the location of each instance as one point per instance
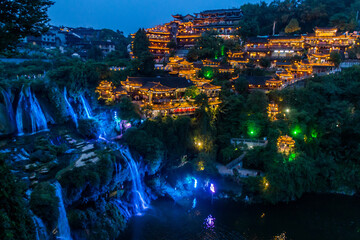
(292, 15)
(19, 19)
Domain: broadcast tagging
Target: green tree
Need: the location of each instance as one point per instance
(293, 26)
(45, 204)
(192, 92)
(248, 28)
(343, 21)
(265, 62)
(141, 43)
(15, 219)
(20, 19)
(242, 85)
(128, 110)
(257, 102)
(335, 58)
(172, 44)
(95, 53)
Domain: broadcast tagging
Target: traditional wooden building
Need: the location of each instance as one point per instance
(108, 92)
(273, 111)
(210, 90)
(285, 144)
(156, 89)
(186, 30)
(224, 21)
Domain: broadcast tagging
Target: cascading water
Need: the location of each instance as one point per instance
(41, 233)
(117, 167)
(8, 105)
(70, 109)
(139, 200)
(86, 106)
(29, 110)
(63, 224)
(123, 208)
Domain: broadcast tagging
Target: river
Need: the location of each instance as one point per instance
(320, 217)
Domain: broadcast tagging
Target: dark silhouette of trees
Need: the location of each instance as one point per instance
(19, 18)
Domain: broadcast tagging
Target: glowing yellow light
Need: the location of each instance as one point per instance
(201, 166)
(265, 183)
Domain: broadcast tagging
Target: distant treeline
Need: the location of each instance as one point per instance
(293, 16)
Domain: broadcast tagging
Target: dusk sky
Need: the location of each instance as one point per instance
(129, 15)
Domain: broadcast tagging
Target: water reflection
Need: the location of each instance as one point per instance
(209, 223)
(313, 217)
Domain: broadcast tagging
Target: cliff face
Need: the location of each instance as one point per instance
(101, 187)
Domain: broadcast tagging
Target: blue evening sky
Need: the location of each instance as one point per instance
(129, 15)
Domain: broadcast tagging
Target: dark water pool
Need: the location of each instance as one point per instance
(317, 217)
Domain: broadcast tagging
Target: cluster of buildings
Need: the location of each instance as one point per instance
(80, 39)
(292, 57)
(159, 95)
(186, 30)
(289, 58)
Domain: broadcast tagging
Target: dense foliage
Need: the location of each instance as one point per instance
(19, 19)
(210, 46)
(292, 15)
(144, 60)
(324, 121)
(15, 218)
(44, 203)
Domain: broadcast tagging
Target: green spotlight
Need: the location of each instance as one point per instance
(292, 157)
(222, 50)
(296, 131)
(314, 134)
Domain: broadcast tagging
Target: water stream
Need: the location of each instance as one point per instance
(29, 115)
(86, 106)
(140, 201)
(70, 109)
(8, 104)
(41, 233)
(63, 224)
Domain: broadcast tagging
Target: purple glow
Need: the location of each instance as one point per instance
(209, 222)
(212, 188)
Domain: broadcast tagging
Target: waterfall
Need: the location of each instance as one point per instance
(70, 108)
(117, 167)
(123, 208)
(86, 106)
(8, 105)
(29, 108)
(139, 200)
(41, 233)
(63, 224)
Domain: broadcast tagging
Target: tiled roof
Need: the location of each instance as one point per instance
(172, 82)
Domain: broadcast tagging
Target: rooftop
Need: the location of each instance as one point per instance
(171, 82)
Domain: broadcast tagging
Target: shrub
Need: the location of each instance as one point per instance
(150, 148)
(88, 128)
(44, 203)
(95, 174)
(15, 219)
